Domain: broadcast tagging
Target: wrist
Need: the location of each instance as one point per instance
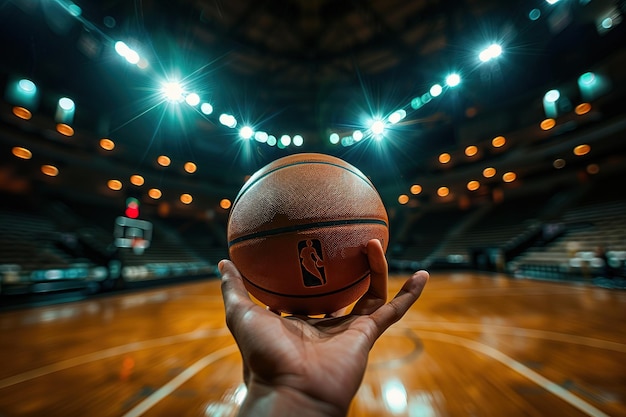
(264, 400)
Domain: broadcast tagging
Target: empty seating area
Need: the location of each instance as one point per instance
(593, 245)
(502, 227)
(48, 246)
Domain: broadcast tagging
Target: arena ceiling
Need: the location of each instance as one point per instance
(309, 68)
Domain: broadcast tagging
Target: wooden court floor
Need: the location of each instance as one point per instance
(473, 345)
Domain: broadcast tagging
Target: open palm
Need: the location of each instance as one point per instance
(322, 360)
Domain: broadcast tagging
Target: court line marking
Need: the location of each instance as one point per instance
(107, 353)
(180, 379)
(521, 331)
(518, 367)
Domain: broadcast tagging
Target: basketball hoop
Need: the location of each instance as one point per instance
(139, 245)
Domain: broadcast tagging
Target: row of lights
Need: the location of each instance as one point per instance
(377, 126)
(113, 184)
(25, 96)
(507, 177)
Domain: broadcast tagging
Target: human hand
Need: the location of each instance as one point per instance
(311, 366)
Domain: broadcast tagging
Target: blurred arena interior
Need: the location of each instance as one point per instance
(494, 131)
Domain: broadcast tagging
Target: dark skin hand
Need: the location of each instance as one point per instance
(311, 366)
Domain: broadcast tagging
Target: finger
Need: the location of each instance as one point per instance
(376, 295)
(393, 311)
(234, 291)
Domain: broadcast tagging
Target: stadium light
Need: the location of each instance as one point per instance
(298, 140)
(491, 52)
(228, 120)
(285, 140)
(377, 127)
(65, 111)
(436, 90)
(206, 108)
(550, 105)
(453, 80)
(192, 99)
(261, 137)
(172, 91)
(246, 132)
(396, 116)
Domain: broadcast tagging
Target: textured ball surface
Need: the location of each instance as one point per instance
(297, 232)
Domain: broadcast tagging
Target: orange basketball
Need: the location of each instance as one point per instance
(298, 229)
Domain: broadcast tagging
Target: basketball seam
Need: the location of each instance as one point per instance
(303, 227)
(307, 295)
(247, 186)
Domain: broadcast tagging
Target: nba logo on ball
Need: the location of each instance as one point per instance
(312, 262)
(298, 229)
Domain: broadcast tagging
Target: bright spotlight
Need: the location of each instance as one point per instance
(378, 127)
(192, 99)
(246, 132)
(357, 135)
(492, 51)
(552, 1)
(436, 90)
(172, 91)
(206, 108)
(453, 80)
(298, 140)
(334, 138)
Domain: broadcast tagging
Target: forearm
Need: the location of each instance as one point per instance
(266, 401)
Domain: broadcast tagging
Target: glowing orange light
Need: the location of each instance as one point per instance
(582, 108)
(444, 158)
(593, 169)
(164, 161)
(547, 124)
(509, 177)
(136, 180)
(50, 170)
(498, 141)
(581, 150)
(473, 185)
(107, 144)
(115, 185)
(443, 191)
(403, 199)
(471, 150)
(190, 167)
(22, 152)
(65, 129)
(225, 204)
(186, 198)
(22, 112)
(416, 189)
(489, 172)
(154, 193)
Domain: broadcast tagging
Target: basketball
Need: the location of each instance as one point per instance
(297, 232)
